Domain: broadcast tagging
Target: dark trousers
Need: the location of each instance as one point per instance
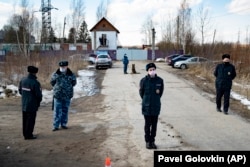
(29, 119)
(150, 128)
(219, 94)
(125, 67)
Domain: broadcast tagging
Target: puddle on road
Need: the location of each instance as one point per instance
(86, 85)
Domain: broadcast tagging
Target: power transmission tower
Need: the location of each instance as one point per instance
(46, 8)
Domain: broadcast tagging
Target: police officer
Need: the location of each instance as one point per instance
(151, 90)
(125, 63)
(224, 73)
(31, 92)
(63, 81)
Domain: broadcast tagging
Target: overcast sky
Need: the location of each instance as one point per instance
(228, 17)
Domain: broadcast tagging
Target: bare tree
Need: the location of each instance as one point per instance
(59, 32)
(102, 10)
(146, 29)
(78, 15)
(36, 28)
(203, 23)
(184, 23)
(22, 24)
(168, 39)
(166, 28)
(177, 33)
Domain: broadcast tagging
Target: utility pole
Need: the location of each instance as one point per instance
(63, 29)
(29, 38)
(153, 44)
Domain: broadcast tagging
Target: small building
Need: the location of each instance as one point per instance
(104, 37)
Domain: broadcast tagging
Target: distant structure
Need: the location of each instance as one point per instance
(46, 8)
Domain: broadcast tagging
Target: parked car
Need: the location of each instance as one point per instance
(180, 58)
(103, 60)
(184, 64)
(168, 59)
(91, 58)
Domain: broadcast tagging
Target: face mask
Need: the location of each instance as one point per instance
(152, 73)
(226, 63)
(62, 69)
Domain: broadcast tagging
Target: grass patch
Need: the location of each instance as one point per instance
(15, 67)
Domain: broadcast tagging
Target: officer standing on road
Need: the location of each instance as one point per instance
(31, 92)
(125, 63)
(224, 73)
(63, 81)
(151, 90)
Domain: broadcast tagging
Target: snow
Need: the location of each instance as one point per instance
(85, 87)
(242, 99)
(160, 60)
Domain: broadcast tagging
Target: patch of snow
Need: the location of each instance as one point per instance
(85, 87)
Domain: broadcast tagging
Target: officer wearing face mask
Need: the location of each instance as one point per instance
(224, 73)
(63, 81)
(151, 90)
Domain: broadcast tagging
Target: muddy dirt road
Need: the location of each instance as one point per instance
(110, 123)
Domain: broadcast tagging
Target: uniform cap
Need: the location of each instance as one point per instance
(150, 65)
(63, 63)
(225, 56)
(32, 69)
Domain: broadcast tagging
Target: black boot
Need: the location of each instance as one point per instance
(153, 146)
(148, 145)
(218, 110)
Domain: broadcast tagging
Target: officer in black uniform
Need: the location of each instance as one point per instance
(31, 92)
(151, 90)
(224, 73)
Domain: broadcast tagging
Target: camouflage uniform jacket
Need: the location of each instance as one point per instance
(63, 84)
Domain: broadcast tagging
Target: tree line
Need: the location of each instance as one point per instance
(178, 34)
(25, 29)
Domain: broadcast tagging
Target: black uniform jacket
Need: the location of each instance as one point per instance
(224, 74)
(31, 92)
(151, 90)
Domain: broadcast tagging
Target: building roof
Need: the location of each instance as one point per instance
(104, 25)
